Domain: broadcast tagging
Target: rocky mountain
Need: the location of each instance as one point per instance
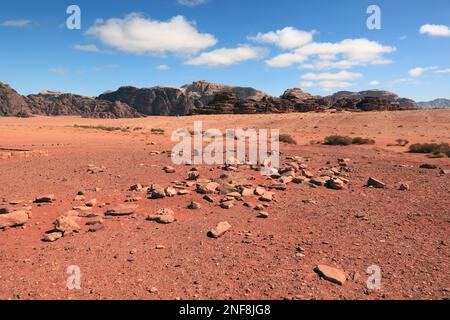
(163, 101)
(205, 91)
(381, 95)
(12, 103)
(200, 97)
(437, 103)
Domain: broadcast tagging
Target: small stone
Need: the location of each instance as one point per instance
(153, 290)
(157, 192)
(428, 166)
(96, 227)
(193, 175)
(79, 198)
(170, 192)
(263, 215)
(183, 192)
(208, 198)
(331, 274)
(372, 182)
(160, 247)
(194, 206)
(335, 184)
(319, 181)
(219, 230)
(404, 187)
(259, 191)
(247, 192)
(67, 223)
(45, 199)
(267, 197)
(91, 203)
(52, 236)
(169, 169)
(121, 210)
(227, 205)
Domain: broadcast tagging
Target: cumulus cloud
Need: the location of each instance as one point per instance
(417, 72)
(374, 83)
(139, 35)
(330, 85)
(287, 38)
(191, 3)
(163, 67)
(306, 84)
(86, 48)
(342, 75)
(435, 30)
(20, 23)
(226, 56)
(345, 54)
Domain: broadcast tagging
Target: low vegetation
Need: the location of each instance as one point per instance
(287, 138)
(104, 128)
(434, 149)
(157, 131)
(346, 141)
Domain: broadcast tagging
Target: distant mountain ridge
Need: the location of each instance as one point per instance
(199, 97)
(436, 103)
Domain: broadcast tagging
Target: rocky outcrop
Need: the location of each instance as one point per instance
(375, 104)
(162, 101)
(70, 104)
(348, 100)
(295, 95)
(205, 91)
(437, 104)
(12, 103)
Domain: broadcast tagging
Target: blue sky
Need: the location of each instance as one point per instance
(322, 46)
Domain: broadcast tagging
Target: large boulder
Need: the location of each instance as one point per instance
(13, 219)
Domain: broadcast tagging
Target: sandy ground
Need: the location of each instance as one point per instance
(405, 233)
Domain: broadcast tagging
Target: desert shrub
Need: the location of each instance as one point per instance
(158, 131)
(287, 138)
(101, 127)
(359, 140)
(338, 141)
(431, 148)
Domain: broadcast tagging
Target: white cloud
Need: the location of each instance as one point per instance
(163, 67)
(226, 56)
(87, 48)
(374, 83)
(20, 23)
(138, 35)
(341, 55)
(58, 70)
(306, 84)
(287, 38)
(435, 30)
(342, 75)
(286, 60)
(443, 70)
(417, 72)
(329, 85)
(191, 3)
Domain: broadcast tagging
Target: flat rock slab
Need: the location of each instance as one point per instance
(375, 183)
(331, 274)
(13, 219)
(45, 199)
(121, 210)
(219, 230)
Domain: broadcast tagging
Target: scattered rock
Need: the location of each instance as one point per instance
(331, 274)
(194, 206)
(45, 199)
(170, 192)
(267, 196)
(219, 230)
(372, 182)
(52, 236)
(169, 169)
(208, 198)
(91, 203)
(13, 219)
(67, 223)
(428, 166)
(227, 205)
(121, 210)
(157, 192)
(335, 183)
(404, 187)
(263, 215)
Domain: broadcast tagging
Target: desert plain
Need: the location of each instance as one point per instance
(404, 232)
